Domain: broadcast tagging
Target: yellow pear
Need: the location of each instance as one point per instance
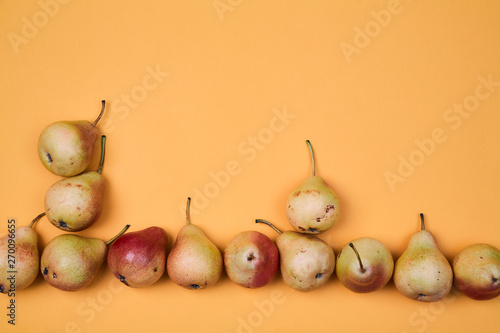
(194, 261)
(422, 272)
(19, 258)
(306, 261)
(65, 148)
(75, 203)
(70, 262)
(312, 207)
(476, 270)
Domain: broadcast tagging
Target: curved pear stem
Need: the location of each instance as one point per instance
(357, 255)
(422, 224)
(118, 235)
(188, 219)
(39, 216)
(100, 114)
(269, 224)
(101, 163)
(312, 157)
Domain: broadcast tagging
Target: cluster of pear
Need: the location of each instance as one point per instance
(251, 259)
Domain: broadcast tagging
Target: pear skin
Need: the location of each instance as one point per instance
(306, 261)
(138, 258)
(312, 207)
(75, 203)
(194, 261)
(476, 271)
(70, 262)
(65, 148)
(25, 259)
(422, 272)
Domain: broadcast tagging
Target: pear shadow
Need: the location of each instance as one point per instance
(37, 284)
(102, 273)
(107, 204)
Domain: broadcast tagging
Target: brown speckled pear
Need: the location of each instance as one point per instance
(306, 261)
(65, 148)
(25, 259)
(70, 262)
(422, 272)
(313, 207)
(194, 261)
(75, 203)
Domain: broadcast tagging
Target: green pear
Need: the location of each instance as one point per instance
(422, 272)
(312, 207)
(19, 258)
(364, 265)
(75, 203)
(194, 261)
(306, 261)
(70, 262)
(65, 148)
(476, 271)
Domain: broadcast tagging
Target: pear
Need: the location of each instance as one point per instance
(422, 272)
(65, 148)
(194, 261)
(364, 265)
(70, 262)
(312, 207)
(251, 259)
(306, 261)
(19, 264)
(75, 203)
(138, 258)
(476, 271)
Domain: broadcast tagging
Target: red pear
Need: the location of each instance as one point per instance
(138, 258)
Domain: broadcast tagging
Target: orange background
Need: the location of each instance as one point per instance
(195, 86)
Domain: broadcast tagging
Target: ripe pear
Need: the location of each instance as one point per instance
(75, 203)
(251, 259)
(306, 261)
(422, 272)
(70, 262)
(364, 265)
(19, 265)
(65, 148)
(138, 258)
(477, 271)
(194, 261)
(312, 207)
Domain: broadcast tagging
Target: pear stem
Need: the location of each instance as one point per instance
(422, 224)
(118, 235)
(269, 224)
(39, 216)
(100, 114)
(103, 144)
(312, 157)
(188, 219)
(357, 255)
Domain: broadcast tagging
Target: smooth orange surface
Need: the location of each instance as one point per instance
(214, 100)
